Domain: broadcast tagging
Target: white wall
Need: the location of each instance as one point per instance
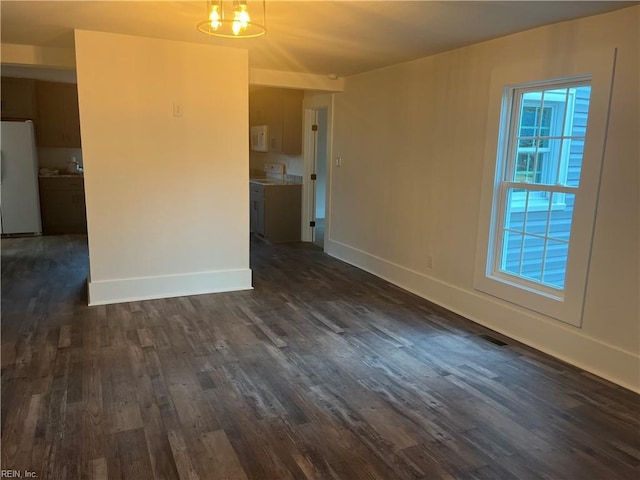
(167, 196)
(412, 140)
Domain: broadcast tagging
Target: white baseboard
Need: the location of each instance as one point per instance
(550, 336)
(167, 286)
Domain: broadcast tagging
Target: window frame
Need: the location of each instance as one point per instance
(556, 120)
(561, 124)
(566, 305)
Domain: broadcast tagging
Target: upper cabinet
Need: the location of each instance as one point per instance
(281, 110)
(18, 99)
(58, 123)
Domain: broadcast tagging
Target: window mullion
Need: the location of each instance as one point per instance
(524, 229)
(564, 125)
(546, 238)
(537, 136)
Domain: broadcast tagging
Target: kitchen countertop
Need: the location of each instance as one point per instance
(63, 175)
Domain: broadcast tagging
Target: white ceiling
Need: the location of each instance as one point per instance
(324, 37)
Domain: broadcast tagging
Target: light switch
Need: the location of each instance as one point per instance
(177, 110)
(338, 161)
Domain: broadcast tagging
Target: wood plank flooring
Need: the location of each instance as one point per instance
(321, 372)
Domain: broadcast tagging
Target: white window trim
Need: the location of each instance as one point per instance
(561, 126)
(568, 306)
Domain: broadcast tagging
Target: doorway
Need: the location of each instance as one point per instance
(316, 192)
(320, 184)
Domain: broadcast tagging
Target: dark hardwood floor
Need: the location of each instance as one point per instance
(321, 372)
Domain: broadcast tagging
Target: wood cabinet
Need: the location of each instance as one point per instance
(281, 110)
(62, 205)
(292, 122)
(58, 123)
(18, 99)
(276, 211)
(257, 209)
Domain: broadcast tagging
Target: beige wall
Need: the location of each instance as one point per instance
(36, 55)
(167, 196)
(412, 140)
(296, 80)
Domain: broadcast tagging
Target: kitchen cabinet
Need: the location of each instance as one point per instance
(58, 123)
(257, 209)
(18, 99)
(276, 211)
(292, 122)
(281, 110)
(62, 205)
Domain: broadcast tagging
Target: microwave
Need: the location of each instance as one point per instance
(259, 137)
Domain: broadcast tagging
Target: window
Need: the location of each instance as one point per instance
(543, 161)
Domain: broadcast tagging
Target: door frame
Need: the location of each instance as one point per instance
(310, 104)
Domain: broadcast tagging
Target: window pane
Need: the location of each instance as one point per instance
(514, 219)
(512, 246)
(526, 167)
(519, 199)
(561, 216)
(530, 111)
(582, 96)
(575, 152)
(555, 263)
(558, 101)
(531, 125)
(551, 169)
(532, 257)
(551, 130)
(578, 123)
(537, 213)
(543, 217)
(534, 167)
(545, 122)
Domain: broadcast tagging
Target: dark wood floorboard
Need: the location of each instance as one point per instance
(321, 372)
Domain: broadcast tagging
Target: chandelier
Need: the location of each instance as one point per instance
(231, 19)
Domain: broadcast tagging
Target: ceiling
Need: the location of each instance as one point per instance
(323, 37)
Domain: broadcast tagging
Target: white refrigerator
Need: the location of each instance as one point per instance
(19, 202)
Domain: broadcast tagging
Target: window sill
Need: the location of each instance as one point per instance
(529, 286)
(535, 297)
